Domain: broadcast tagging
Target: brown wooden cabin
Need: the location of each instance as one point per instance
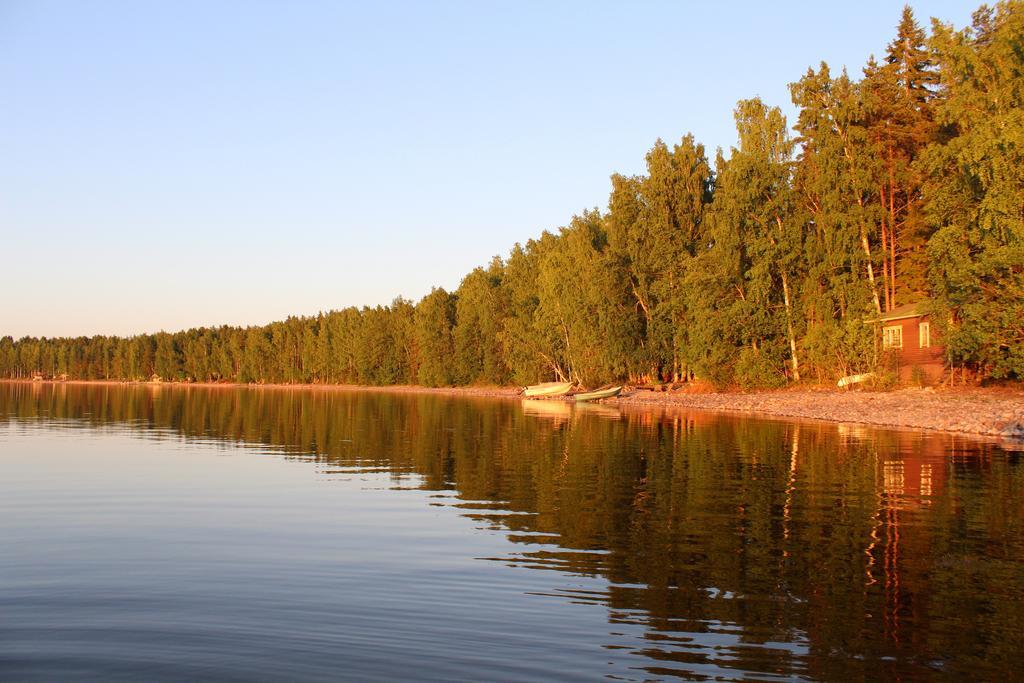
(909, 338)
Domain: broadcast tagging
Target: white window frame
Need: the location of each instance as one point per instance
(924, 335)
(892, 337)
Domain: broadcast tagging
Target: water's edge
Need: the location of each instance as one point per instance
(991, 413)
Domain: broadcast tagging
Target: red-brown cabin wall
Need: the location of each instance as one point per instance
(931, 360)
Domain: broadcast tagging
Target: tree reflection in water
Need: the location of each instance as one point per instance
(769, 546)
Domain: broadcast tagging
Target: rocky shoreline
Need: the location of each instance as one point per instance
(987, 412)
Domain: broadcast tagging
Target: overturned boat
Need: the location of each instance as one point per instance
(854, 379)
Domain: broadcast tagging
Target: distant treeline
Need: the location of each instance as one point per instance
(758, 268)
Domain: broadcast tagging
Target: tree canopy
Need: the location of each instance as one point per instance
(757, 267)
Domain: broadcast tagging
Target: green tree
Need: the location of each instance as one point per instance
(975, 190)
(481, 305)
(898, 112)
(655, 225)
(435, 319)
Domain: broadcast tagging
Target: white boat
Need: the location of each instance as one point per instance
(854, 379)
(547, 390)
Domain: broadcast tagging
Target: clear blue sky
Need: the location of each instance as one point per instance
(175, 164)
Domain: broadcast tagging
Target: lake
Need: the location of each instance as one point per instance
(168, 533)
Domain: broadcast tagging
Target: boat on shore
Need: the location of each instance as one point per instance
(598, 394)
(547, 390)
(854, 379)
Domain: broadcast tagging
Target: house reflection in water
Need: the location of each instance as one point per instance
(907, 552)
(911, 462)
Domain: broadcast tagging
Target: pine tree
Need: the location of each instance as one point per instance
(898, 98)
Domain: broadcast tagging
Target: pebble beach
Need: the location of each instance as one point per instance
(988, 412)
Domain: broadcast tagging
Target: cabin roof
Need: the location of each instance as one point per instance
(903, 312)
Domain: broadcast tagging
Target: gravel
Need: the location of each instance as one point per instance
(991, 412)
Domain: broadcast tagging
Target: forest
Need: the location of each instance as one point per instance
(755, 268)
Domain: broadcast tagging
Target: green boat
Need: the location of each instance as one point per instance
(598, 394)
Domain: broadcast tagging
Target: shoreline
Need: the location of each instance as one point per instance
(987, 412)
(964, 411)
(482, 391)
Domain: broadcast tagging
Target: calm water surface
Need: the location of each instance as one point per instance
(239, 534)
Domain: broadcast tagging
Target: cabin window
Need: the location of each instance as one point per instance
(924, 335)
(892, 337)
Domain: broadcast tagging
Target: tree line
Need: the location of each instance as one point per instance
(756, 268)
